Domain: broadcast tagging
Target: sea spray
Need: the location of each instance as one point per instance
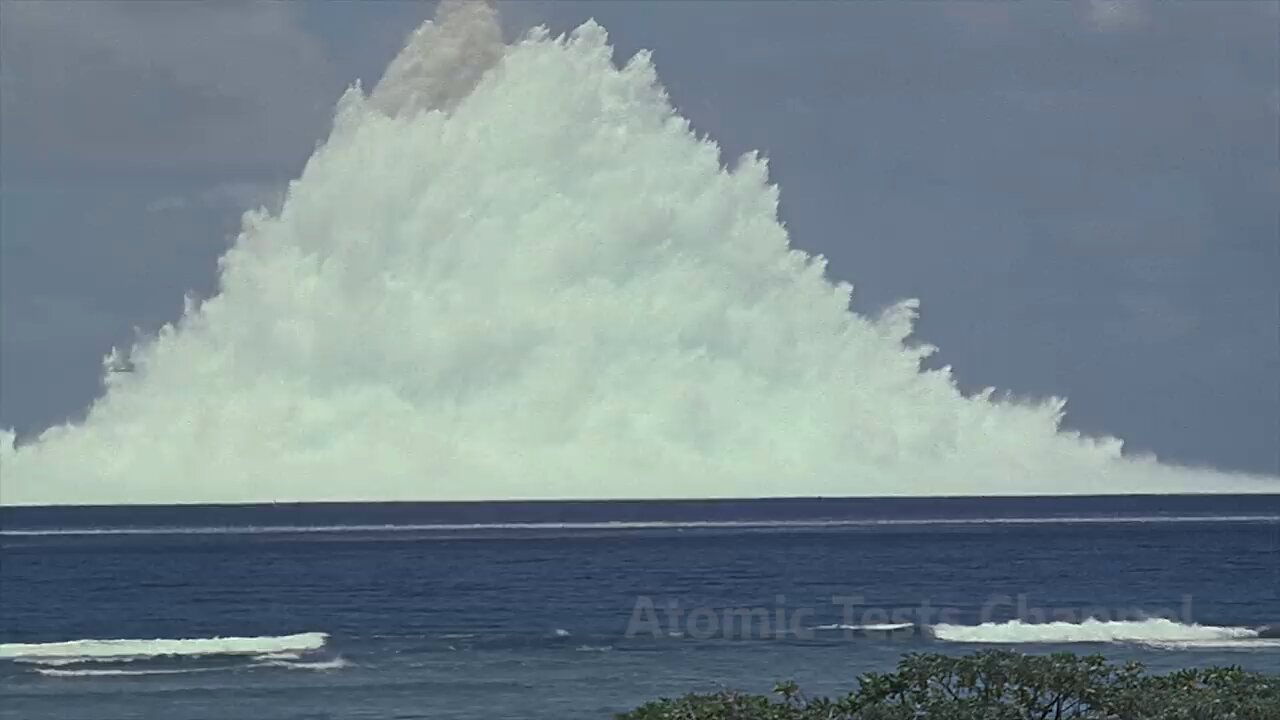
(123, 649)
(1090, 631)
(515, 272)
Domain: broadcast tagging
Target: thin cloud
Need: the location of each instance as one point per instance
(139, 87)
(1115, 15)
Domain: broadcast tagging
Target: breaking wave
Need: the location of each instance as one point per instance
(138, 658)
(1153, 631)
(120, 650)
(513, 271)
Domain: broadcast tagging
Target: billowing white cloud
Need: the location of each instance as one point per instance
(991, 168)
(544, 287)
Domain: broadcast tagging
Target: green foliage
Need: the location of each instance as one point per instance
(1000, 685)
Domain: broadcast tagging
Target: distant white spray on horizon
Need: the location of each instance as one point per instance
(514, 272)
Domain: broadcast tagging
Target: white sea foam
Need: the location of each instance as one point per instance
(83, 650)
(1090, 631)
(120, 672)
(279, 656)
(286, 661)
(515, 272)
(642, 525)
(60, 661)
(880, 627)
(1246, 644)
(336, 663)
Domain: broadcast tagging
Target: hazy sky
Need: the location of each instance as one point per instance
(1085, 197)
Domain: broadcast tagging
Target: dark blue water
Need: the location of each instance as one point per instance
(576, 610)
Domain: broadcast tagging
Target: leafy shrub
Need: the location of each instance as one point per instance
(1001, 685)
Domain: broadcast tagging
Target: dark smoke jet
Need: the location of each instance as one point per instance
(443, 60)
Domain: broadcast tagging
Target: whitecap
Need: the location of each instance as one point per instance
(125, 649)
(1089, 631)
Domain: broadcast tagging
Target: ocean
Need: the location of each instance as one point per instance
(581, 609)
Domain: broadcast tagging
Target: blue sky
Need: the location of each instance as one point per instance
(1084, 196)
